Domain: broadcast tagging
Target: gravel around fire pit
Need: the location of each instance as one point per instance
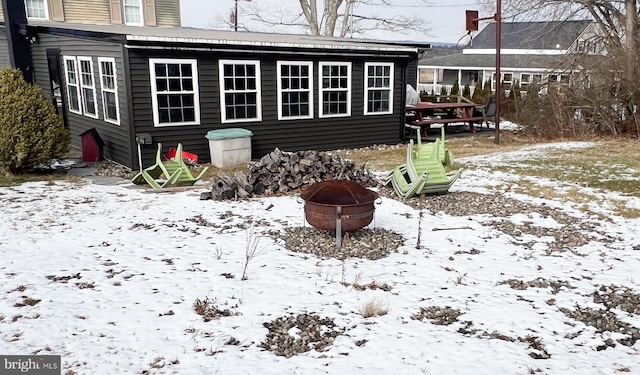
(363, 243)
(573, 232)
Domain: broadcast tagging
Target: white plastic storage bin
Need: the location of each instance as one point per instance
(229, 147)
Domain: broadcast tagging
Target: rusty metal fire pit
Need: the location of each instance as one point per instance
(338, 205)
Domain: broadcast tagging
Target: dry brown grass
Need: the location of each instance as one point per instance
(373, 308)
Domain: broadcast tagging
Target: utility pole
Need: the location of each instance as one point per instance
(498, 18)
(235, 15)
(472, 25)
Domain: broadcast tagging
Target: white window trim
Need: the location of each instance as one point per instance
(321, 90)
(154, 91)
(104, 90)
(124, 15)
(46, 11)
(82, 86)
(258, 91)
(76, 84)
(367, 88)
(309, 64)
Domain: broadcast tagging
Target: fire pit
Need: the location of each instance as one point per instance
(338, 205)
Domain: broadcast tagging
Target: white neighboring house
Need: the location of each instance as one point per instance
(531, 52)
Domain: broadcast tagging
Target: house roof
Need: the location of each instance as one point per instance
(134, 34)
(552, 35)
(488, 61)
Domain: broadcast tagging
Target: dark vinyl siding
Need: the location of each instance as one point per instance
(289, 135)
(412, 73)
(168, 13)
(117, 139)
(5, 61)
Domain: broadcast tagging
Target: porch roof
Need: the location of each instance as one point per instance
(519, 62)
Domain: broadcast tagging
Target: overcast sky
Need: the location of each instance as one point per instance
(445, 18)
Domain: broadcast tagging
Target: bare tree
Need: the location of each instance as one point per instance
(339, 18)
(614, 74)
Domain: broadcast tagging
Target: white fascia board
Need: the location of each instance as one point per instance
(504, 69)
(231, 42)
(469, 51)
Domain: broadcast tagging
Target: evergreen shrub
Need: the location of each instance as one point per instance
(31, 133)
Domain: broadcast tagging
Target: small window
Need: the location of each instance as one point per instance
(133, 12)
(335, 89)
(378, 88)
(426, 76)
(295, 85)
(537, 79)
(108, 80)
(87, 87)
(37, 9)
(174, 92)
(507, 80)
(240, 91)
(71, 75)
(525, 81)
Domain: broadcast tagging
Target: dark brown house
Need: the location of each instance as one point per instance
(170, 85)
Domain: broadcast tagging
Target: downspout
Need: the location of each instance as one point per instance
(130, 114)
(403, 102)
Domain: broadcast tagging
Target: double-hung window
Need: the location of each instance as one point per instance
(174, 92)
(87, 87)
(108, 80)
(525, 81)
(295, 90)
(378, 88)
(133, 12)
(71, 77)
(36, 9)
(240, 90)
(335, 89)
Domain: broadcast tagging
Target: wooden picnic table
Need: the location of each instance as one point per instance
(427, 113)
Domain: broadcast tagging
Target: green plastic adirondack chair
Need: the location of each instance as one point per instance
(175, 172)
(406, 189)
(152, 174)
(438, 181)
(444, 154)
(177, 165)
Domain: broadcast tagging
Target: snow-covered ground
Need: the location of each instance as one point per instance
(107, 277)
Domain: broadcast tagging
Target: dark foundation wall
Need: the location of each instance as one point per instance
(289, 135)
(118, 138)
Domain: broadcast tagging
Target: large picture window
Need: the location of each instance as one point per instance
(87, 87)
(295, 90)
(174, 90)
(71, 77)
(36, 9)
(109, 83)
(133, 12)
(378, 88)
(335, 89)
(240, 90)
